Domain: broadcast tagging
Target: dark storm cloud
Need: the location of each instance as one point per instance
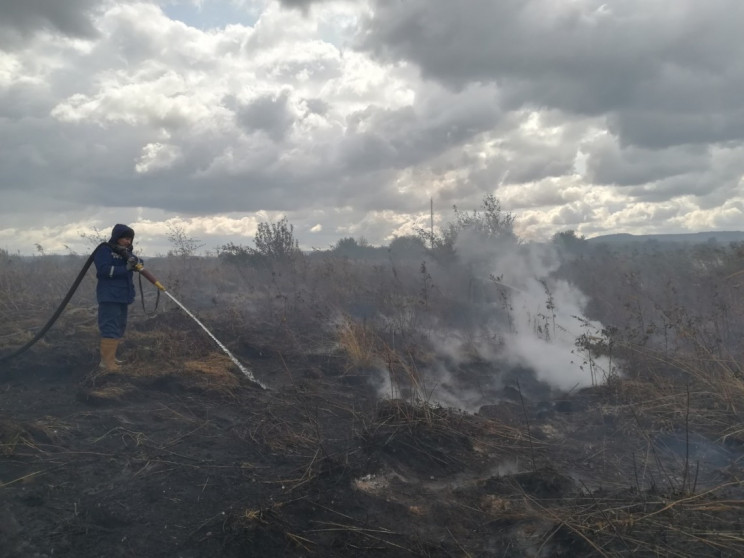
(40, 156)
(21, 18)
(669, 188)
(679, 59)
(268, 113)
(710, 174)
(658, 129)
(609, 163)
(460, 42)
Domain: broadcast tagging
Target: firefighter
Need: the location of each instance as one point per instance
(115, 267)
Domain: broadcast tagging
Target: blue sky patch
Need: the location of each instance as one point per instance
(210, 14)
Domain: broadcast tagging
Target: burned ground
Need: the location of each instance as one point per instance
(180, 455)
(359, 446)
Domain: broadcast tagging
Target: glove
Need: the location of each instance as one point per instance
(134, 264)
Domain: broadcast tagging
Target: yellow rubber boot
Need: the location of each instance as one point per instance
(118, 360)
(108, 354)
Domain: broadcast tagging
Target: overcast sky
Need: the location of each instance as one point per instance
(348, 117)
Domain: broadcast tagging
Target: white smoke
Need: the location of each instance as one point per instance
(546, 318)
(517, 325)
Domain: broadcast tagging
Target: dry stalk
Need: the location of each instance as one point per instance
(24, 478)
(527, 423)
(300, 542)
(373, 534)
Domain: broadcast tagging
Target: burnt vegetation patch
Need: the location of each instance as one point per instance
(423, 439)
(423, 399)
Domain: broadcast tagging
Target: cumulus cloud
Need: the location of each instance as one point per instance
(157, 156)
(574, 113)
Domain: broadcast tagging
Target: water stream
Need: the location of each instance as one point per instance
(242, 368)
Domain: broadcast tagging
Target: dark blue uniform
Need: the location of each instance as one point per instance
(115, 288)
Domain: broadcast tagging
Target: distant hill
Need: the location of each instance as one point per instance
(723, 237)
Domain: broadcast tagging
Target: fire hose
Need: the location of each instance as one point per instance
(142, 271)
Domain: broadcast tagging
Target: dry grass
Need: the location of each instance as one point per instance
(689, 393)
(108, 394)
(365, 351)
(213, 372)
(33, 435)
(702, 524)
(359, 344)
